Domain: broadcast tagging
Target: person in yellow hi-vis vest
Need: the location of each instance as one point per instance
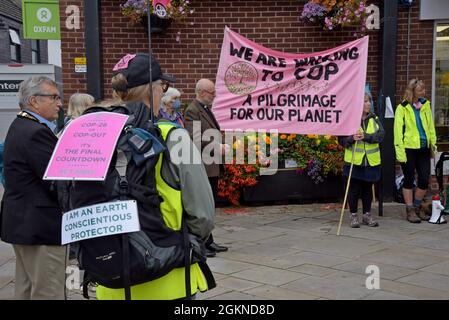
(184, 187)
(362, 148)
(414, 142)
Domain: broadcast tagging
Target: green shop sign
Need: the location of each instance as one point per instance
(41, 19)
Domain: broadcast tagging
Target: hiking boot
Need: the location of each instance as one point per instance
(411, 215)
(369, 220)
(427, 208)
(354, 221)
(421, 214)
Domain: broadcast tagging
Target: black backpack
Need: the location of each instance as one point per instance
(121, 261)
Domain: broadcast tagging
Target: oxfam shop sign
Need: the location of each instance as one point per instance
(41, 19)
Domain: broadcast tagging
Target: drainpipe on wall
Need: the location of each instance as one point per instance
(407, 79)
(387, 88)
(92, 31)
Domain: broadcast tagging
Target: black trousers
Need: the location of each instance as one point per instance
(360, 189)
(418, 159)
(213, 181)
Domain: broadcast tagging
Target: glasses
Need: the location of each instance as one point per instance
(54, 97)
(165, 86)
(212, 93)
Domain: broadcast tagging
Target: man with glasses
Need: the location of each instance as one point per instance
(199, 111)
(31, 216)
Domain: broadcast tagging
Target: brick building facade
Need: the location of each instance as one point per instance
(274, 24)
(11, 18)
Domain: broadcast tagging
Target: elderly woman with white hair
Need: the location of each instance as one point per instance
(78, 103)
(170, 106)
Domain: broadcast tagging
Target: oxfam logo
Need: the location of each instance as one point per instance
(43, 15)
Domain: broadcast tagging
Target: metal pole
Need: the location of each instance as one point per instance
(408, 43)
(93, 48)
(387, 88)
(151, 53)
(381, 109)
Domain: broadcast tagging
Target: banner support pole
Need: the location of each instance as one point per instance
(347, 189)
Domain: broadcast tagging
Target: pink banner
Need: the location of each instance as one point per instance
(85, 148)
(318, 93)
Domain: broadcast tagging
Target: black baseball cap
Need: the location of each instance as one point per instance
(136, 69)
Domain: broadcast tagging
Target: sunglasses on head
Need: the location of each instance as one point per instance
(165, 85)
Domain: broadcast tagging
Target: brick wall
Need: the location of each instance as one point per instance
(420, 51)
(25, 48)
(273, 24)
(72, 46)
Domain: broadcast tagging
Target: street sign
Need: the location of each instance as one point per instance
(80, 65)
(41, 19)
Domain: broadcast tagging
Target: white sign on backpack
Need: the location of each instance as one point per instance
(99, 220)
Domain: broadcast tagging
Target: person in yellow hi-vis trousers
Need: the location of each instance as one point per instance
(362, 148)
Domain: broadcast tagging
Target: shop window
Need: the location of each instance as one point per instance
(35, 51)
(441, 100)
(14, 45)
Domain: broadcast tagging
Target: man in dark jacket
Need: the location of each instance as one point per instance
(31, 216)
(199, 111)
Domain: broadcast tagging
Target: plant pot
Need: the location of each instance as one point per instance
(287, 185)
(158, 25)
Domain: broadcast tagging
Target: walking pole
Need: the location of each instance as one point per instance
(347, 189)
(374, 194)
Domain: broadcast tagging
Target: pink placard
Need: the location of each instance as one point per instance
(318, 93)
(85, 148)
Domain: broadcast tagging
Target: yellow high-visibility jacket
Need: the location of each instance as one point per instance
(406, 133)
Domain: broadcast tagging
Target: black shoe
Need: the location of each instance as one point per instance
(217, 248)
(210, 253)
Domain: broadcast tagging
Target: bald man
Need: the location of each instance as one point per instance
(200, 110)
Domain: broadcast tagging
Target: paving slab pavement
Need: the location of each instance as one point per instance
(291, 252)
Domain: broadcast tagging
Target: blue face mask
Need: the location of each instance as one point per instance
(176, 104)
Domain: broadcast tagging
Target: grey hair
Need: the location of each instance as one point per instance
(171, 93)
(31, 87)
(198, 87)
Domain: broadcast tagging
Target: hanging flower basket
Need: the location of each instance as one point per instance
(137, 12)
(158, 25)
(335, 14)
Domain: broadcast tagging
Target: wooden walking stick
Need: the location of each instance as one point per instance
(347, 189)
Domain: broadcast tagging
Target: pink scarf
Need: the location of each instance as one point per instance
(417, 105)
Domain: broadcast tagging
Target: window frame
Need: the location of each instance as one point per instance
(17, 47)
(36, 50)
(434, 61)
